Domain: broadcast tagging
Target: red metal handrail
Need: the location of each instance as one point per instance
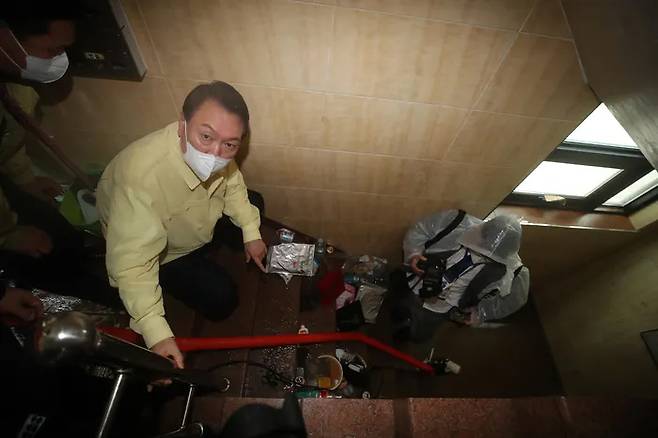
(241, 342)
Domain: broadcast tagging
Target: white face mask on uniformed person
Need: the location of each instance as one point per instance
(201, 163)
(44, 70)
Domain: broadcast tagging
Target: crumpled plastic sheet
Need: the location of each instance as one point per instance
(371, 297)
(286, 277)
(101, 315)
(291, 258)
(367, 268)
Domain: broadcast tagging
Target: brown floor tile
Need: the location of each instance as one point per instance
(485, 417)
(348, 418)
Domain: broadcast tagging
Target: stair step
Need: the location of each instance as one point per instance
(277, 309)
(432, 417)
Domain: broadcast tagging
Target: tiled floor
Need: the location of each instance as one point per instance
(509, 361)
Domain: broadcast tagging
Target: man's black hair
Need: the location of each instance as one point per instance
(33, 17)
(224, 94)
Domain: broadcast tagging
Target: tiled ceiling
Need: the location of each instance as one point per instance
(366, 114)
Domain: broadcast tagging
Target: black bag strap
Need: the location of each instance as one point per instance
(447, 230)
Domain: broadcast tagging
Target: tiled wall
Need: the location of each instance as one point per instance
(366, 113)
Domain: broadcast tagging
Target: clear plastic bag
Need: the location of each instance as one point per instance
(371, 297)
(366, 269)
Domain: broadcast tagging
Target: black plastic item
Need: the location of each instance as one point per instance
(356, 373)
(260, 421)
(350, 317)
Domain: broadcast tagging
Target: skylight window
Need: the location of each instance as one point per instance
(638, 188)
(568, 180)
(597, 168)
(601, 128)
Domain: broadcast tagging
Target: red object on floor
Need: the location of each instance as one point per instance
(330, 286)
(240, 342)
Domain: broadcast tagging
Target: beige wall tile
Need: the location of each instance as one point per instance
(180, 88)
(321, 2)
(295, 202)
(328, 205)
(357, 238)
(271, 165)
(507, 140)
(143, 40)
(277, 116)
(506, 14)
(261, 42)
(130, 108)
(548, 19)
(284, 117)
(417, 8)
(305, 225)
(413, 59)
(405, 129)
(540, 77)
(483, 185)
(89, 149)
(322, 169)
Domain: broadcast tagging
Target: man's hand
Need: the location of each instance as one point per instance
(22, 304)
(29, 240)
(414, 264)
(43, 188)
(168, 348)
(256, 250)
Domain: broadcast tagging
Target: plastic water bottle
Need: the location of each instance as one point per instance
(320, 247)
(318, 254)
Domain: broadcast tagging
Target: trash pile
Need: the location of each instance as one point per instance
(347, 374)
(356, 290)
(344, 375)
(365, 282)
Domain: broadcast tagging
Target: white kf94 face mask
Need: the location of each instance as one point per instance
(201, 163)
(44, 70)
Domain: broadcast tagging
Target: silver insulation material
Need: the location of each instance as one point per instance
(291, 258)
(56, 303)
(53, 303)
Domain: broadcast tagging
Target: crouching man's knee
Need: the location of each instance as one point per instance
(223, 304)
